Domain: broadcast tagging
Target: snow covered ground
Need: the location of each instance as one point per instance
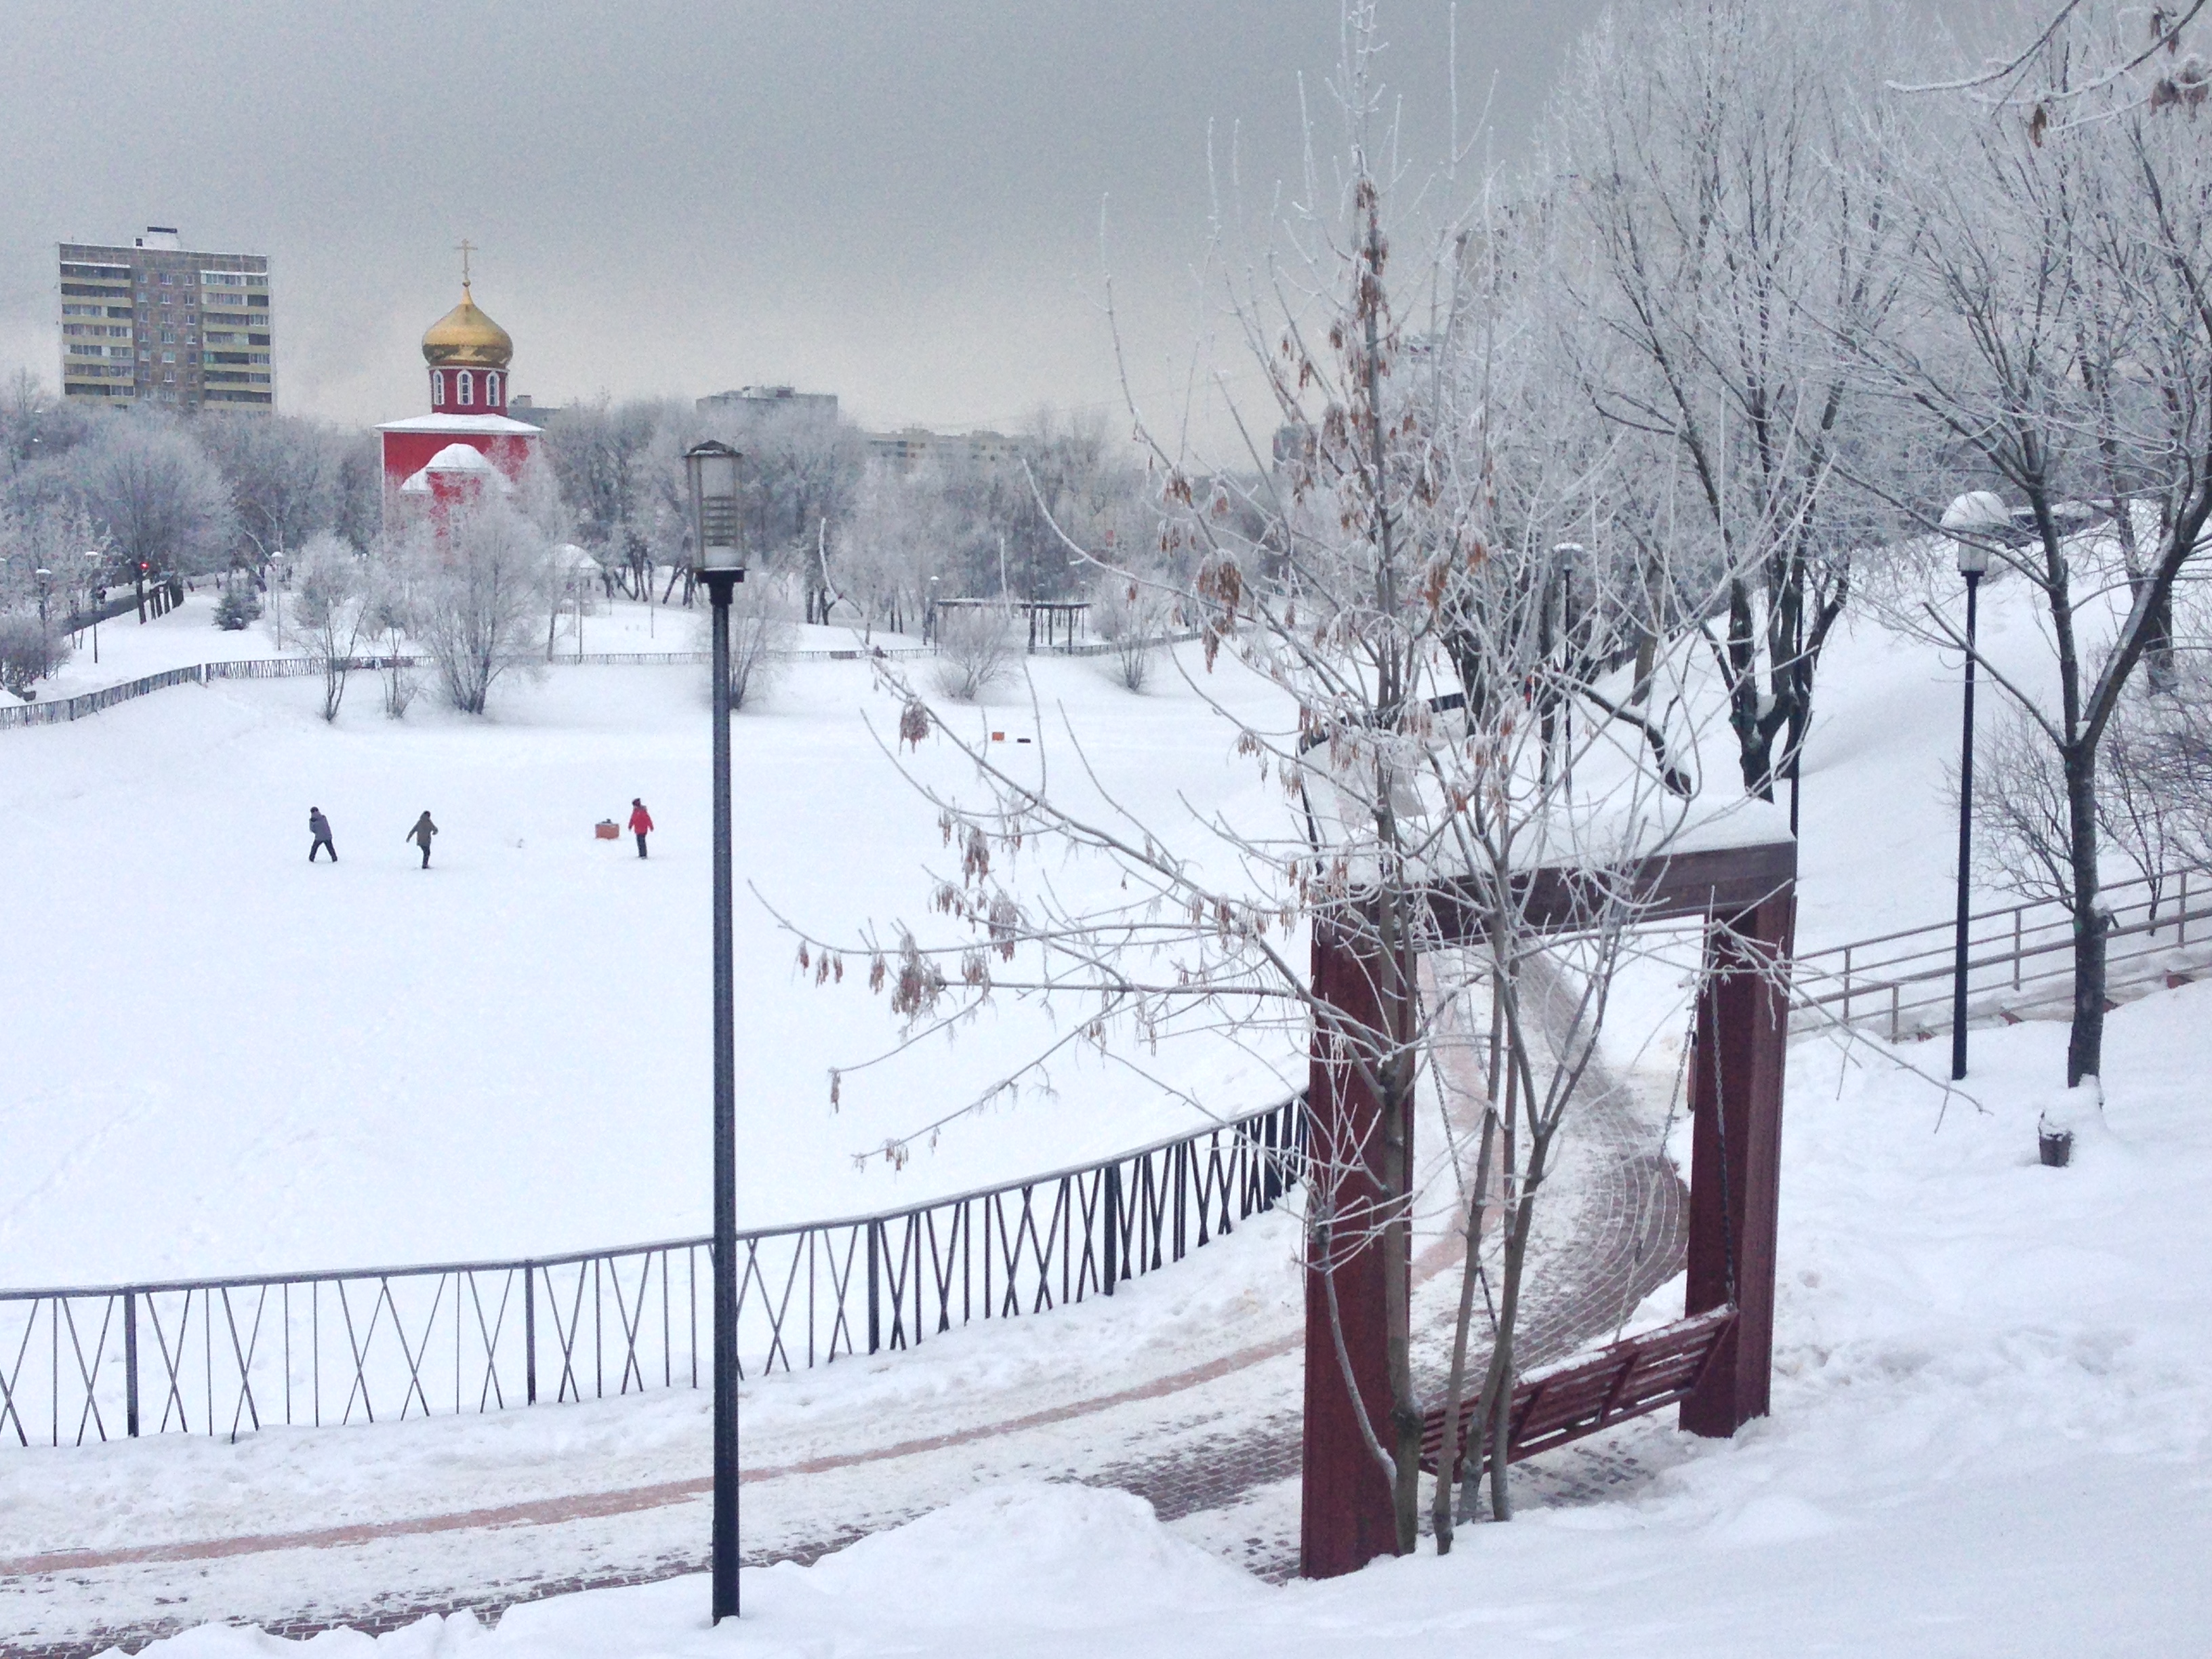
(1991, 1406)
(1992, 1434)
(221, 1058)
(506, 1056)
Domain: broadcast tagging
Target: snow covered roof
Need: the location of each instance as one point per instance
(473, 425)
(455, 459)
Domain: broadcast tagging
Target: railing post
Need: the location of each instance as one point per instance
(875, 1322)
(1847, 985)
(529, 1333)
(1113, 1225)
(1892, 1012)
(2181, 913)
(2017, 911)
(130, 1363)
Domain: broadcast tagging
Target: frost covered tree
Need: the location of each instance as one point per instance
(284, 477)
(478, 602)
(2053, 341)
(1398, 584)
(1722, 236)
(330, 595)
(162, 502)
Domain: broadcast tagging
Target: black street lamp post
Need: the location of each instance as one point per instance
(92, 559)
(1972, 518)
(713, 469)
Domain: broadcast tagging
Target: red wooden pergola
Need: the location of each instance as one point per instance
(1716, 1364)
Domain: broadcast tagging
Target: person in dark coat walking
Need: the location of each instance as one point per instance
(641, 823)
(420, 834)
(319, 827)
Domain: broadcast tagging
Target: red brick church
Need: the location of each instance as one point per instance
(467, 440)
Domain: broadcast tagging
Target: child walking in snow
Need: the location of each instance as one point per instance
(641, 823)
(420, 834)
(319, 827)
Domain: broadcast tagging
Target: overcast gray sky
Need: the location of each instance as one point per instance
(896, 200)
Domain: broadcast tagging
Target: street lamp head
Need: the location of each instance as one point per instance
(714, 469)
(1973, 518)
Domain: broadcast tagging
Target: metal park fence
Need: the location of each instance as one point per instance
(223, 1355)
(285, 668)
(204, 673)
(2020, 958)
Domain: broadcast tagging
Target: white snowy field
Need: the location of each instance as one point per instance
(221, 1058)
(1991, 1434)
(217, 1060)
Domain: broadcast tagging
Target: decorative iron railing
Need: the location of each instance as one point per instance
(2020, 958)
(221, 1356)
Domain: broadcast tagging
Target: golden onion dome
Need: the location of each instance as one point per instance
(466, 339)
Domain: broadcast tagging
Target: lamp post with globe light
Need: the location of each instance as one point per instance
(1972, 519)
(714, 471)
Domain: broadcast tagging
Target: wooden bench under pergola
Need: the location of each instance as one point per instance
(1717, 1362)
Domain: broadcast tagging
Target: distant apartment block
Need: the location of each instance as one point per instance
(155, 322)
(913, 445)
(755, 404)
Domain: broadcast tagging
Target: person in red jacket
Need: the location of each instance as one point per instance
(641, 823)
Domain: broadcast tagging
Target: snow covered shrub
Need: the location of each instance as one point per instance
(238, 606)
(389, 611)
(761, 636)
(29, 651)
(1132, 619)
(329, 607)
(975, 649)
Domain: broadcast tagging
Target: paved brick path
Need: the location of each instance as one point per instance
(1608, 1240)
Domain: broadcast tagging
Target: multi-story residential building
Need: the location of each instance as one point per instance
(911, 445)
(757, 404)
(157, 323)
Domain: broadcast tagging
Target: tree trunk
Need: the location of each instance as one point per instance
(2084, 1043)
(1440, 1511)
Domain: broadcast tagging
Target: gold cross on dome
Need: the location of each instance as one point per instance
(466, 248)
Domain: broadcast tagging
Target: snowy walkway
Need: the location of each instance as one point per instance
(1213, 1444)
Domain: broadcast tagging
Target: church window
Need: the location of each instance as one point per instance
(437, 388)
(492, 388)
(467, 388)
